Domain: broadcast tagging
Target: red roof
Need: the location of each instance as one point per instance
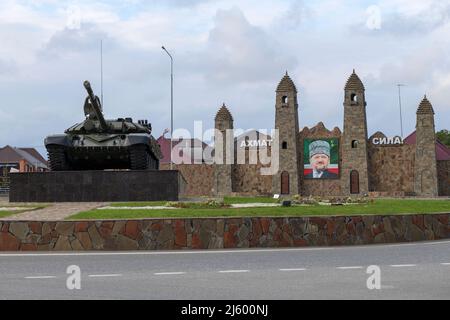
(442, 151)
(179, 147)
(9, 155)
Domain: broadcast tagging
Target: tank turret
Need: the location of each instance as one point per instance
(92, 107)
(100, 144)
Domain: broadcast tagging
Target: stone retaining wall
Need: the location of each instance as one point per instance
(220, 233)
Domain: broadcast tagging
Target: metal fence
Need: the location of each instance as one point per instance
(4, 185)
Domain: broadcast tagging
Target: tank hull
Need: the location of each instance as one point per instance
(102, 152)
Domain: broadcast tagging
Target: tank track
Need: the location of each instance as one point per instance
(57, 159)
(141, 159)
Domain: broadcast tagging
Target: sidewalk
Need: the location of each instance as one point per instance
(54, 212)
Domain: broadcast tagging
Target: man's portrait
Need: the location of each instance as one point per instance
(321, 159)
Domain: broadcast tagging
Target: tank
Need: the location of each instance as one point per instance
(100, 144)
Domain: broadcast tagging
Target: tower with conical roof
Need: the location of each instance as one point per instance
(287, 181)
(224, 154)
(354, 168)
(425, 167)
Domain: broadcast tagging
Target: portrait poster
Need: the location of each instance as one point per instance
(321, 158)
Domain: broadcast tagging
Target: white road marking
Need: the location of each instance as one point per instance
(234, 271)
(403, 265)
(292, 270)
(387, 287)
(169, 273)
(104, 275)
(349, 268)
(446, 264)
(40, 277)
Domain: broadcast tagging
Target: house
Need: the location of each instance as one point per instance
(22, 160)
(185, 151)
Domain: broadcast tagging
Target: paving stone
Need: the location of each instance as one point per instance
(56, 212)
(19, 229)
(131, 230)
(63, 244)
(166, 234)
(216, 243)
(414, 233)
(28, 247)
(379, 238)
(36, 227)
(97, 240)
(47, 228)
(65, 228)
(220, 227)
(76, 245)
(84, 239)
(243, 233)
(8, 242)
(81, 226)
(124, 243)
(118, 227)
(180, 233)
(205, 237)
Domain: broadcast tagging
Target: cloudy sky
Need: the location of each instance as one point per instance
(225, 51)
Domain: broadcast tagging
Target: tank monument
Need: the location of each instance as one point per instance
(100, 160)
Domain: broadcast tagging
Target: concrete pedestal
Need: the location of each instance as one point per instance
(96, 186)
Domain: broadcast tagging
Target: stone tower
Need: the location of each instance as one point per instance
(286, 180)
(224, 152)
(425, 167)
(354, 170)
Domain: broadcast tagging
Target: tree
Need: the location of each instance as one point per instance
(444, 137)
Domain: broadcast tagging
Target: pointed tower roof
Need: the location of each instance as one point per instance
(224, 114)
(354, 82)
(286, 84)
(425, 107)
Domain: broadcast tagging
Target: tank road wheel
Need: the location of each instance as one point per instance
(139, 157)
(57, 159)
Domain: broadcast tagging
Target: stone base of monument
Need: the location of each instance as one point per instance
(96, 186)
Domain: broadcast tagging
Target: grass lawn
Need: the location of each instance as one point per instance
(227, 201)
(378, 207)
(4, 214)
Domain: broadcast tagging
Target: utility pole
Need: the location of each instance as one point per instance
(171, 105)
(101, 70)
(400, 107)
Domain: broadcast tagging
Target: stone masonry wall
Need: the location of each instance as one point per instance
(425, 168)
(199, 178)
(391, 168)
(247, 179)
(444, 177)
(220, 233)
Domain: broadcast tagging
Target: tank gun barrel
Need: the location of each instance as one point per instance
(96, 105)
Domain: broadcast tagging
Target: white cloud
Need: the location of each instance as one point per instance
(225, 51)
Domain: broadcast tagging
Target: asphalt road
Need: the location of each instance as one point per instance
(408, 271)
